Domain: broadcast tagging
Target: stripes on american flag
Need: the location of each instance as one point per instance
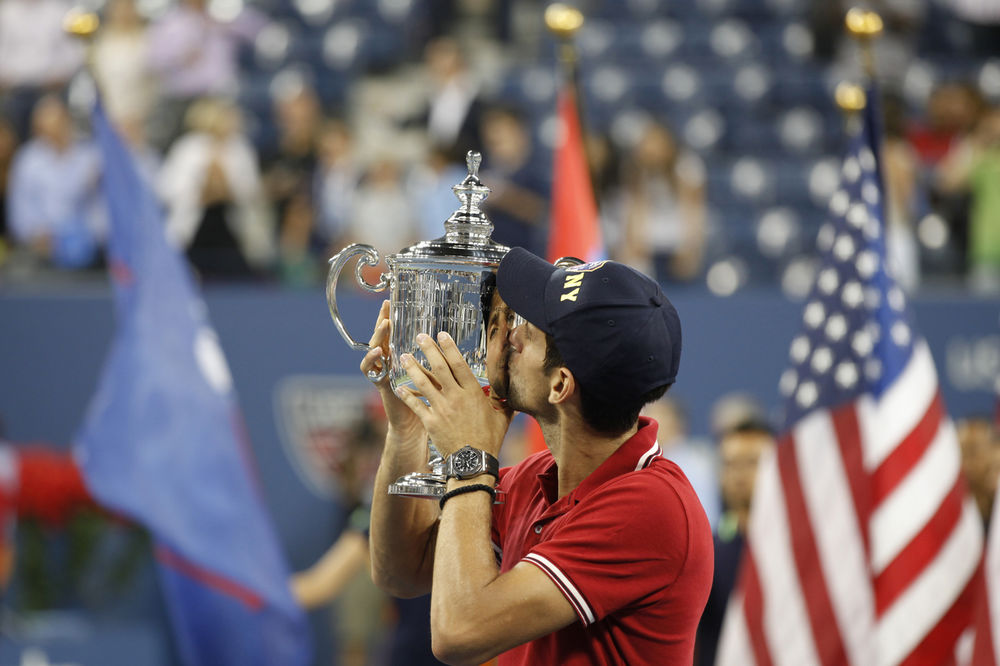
(862, 545)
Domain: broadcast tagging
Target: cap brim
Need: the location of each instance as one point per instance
(521, 280)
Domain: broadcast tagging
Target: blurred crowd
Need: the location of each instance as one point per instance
(249, 199)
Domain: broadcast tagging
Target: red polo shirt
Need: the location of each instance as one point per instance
(630, 548)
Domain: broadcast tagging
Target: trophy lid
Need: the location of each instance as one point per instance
(467, 231)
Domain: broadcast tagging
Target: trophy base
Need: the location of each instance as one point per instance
(420, 485)
(423, 485)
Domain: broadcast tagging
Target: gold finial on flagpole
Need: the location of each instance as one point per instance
(865, 26)
(850, 97)
(81, 23)
(564, 21)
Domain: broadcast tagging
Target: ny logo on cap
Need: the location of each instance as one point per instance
(574, 278)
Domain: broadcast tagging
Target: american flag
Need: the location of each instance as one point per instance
(862, 545)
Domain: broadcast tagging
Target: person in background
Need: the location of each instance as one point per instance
(979, 442)
(973, 166)
(519, 202)
(740, 452)
(54, 210)
(953, 109)
(661, 208)
(338, 176)
(696, 458)
(195, 56)
(8, 146)
(215, 201)
(381, 214)
(289, 169)
(37, 56)
(429, 185)
(900, 168)
(342, 574)
(451, 112)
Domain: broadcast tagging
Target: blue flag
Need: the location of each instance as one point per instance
(163, 443)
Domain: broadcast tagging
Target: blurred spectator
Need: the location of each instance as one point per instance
(337, 180)
(54, 208)
(973, 166)
(983, 20)
(342, 573)
(195, 55)
(452, 109)
(900, 169)
(8, 146)
(660, 206)
(519, 201)
(733, 410)
(952, 112)
(429, 185)
(695, 458)
(211, 185)
(36, 55)
(120, 63)
(603, 161)
(740, 451)
(289, 171)
(980, 445)
(381, 214)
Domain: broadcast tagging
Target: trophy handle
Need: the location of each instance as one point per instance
(337, 262)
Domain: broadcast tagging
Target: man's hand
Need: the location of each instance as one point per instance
(401, 419)
(459, 412)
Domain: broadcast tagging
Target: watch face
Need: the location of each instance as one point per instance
(467, 460)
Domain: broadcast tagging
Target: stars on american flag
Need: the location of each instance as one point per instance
(841, 352)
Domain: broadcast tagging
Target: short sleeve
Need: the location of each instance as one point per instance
(618, 548)
(499, 522)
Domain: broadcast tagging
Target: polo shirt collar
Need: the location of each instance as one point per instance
(634, 454)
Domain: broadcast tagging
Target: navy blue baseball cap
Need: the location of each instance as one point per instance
(613, 326)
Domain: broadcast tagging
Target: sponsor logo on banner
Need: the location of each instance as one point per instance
(318, 416)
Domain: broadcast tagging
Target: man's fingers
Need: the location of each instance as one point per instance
(439, 365)
(459, 368)
(411, 400)
(424, 381)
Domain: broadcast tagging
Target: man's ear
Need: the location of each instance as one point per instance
(562, 384)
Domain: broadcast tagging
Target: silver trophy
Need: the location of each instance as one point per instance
(445, 284)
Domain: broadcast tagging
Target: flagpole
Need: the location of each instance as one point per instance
(83, 25)
(564, 21)
(865, 27)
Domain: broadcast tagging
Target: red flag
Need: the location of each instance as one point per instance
(574, 230)
(862, 544)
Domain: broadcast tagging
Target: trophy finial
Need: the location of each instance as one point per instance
(472, 160)
(469, 223)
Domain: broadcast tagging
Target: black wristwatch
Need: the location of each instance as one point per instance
(468, 462)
